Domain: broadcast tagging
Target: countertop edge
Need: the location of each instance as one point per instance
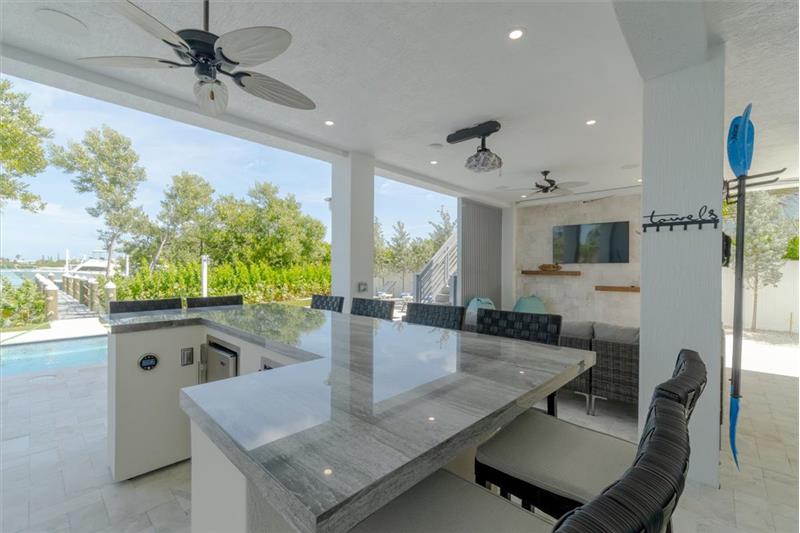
(300, 517)
(253, 338)
(385, 490)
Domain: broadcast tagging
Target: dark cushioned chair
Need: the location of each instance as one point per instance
(615, 375)
(642, 499)
(375, 308)
(526, 326)
(438, 316)
(133, 306)
(327, 303)
(526, 458)
(583, 383)
(214, 301)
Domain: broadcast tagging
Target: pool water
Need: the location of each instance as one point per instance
(40, 356)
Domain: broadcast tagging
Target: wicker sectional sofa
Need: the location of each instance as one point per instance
(615, 375)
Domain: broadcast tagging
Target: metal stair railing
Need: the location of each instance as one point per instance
(435, 275)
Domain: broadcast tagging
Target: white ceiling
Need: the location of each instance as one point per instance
(396, 77)
(761, 67)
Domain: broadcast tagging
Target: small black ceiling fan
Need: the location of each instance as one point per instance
(211, 55)
(551, 187)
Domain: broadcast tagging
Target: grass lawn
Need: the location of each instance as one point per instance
(26, 327)
(302, 302)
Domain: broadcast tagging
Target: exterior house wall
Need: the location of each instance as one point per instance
(480, 235)
(574, 298)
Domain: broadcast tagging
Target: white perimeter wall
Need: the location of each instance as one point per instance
(777, 306)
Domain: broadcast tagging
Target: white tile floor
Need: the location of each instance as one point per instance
(55, 474)
(763, 496)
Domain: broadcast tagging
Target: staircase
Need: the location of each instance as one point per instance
(435, 283)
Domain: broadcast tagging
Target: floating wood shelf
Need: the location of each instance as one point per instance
(615, 288)
(551, 272)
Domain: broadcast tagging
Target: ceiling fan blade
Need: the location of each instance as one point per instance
(150, 24)
(272, 90)
(131, 62)
(249, 47)
(573, 184)
(560, 192)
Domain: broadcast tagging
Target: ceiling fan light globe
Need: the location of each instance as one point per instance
(484, 160)
(212, 97)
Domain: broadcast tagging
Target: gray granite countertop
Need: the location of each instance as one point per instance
(371, 408)
(293, 331)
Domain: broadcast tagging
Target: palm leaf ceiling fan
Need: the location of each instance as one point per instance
(211, 55)
(550, 186)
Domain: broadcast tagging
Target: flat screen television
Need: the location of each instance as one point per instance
(591, 243)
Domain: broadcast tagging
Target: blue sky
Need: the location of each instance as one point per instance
(165, 148)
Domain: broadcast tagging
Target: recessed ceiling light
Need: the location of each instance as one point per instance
(329, 123)
(591, 122)
(521, 371)
(516, 34)
(639, 180)
(431, 419)
(524, 196)
(434, 162)
(327, 471)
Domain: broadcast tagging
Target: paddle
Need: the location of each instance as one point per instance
(741, 136)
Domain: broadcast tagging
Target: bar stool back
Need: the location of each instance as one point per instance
(133, 306)
(327, 303)
(437, 316)
(526, 326)
(375, 308)
(214, 301)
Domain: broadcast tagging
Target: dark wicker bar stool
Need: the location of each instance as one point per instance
(327, 303)
(214, 301)
(526, 458)
(437, 316)
(374, 308)
(134, 306)
(642, 499)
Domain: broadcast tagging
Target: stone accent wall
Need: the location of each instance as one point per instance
(574, 297)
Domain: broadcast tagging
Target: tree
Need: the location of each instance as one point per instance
(22, 151)
(765, 237)
(141, 243)
(422, 251)
(105, 164)
(400, 251)
(264, 228)
(441, 230)
(792, 250)
(184, 208)
(380, 251)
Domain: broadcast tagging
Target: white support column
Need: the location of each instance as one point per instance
(508, 280)
(684, 132)
(352, 215)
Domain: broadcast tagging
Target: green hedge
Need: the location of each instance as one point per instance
(257, 282)
(21, 306)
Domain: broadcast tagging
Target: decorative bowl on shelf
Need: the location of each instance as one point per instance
(548, 267)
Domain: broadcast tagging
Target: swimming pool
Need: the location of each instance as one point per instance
(39, 356)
